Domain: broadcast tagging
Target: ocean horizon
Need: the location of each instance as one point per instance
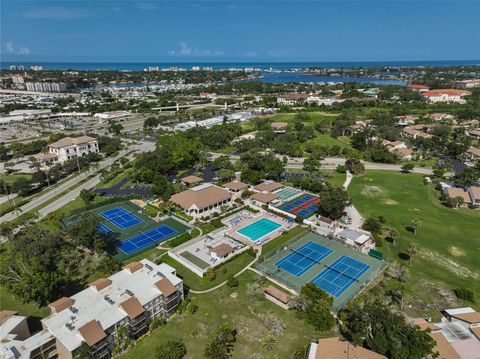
(139, 66)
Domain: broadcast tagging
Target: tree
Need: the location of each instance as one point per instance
(222, 345)
(416, 224)
(268, 342)
(408, 167)
(411, 251)
(393, 234)
(162, 187)
(374, 326)
(226, 174)
(31, 266)
(373, 225)
(465, 294)
(115, 127)
(355, 166)
(311, 165)
(87, 196)
(232, 282)
(173, 349)
(333, 201)
(313, 305)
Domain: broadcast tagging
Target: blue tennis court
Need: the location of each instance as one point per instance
(121, 218)
(340, 275)
(144, 239)
(303, 258)
(304, 206)
(259, 229)
(102, 229)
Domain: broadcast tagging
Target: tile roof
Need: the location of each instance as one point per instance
(448, 92)
(222, 249)
(100, 284)
(334, 348)
(166, 287)
(268, 186)
(443, 347)
(235, 185)
(132, 307)
(61, 304)
(201, 197)
(279, 125)
(133, 267)
(278, 294)
(454, 192)
(70, 141)
(192, 179)
(470, 317)
(264, 197)
(92, 333)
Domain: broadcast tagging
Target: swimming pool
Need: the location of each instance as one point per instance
(259, 229)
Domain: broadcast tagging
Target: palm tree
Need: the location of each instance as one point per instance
(393, 234)
(416, 224)
(411, 251)
(268, 342)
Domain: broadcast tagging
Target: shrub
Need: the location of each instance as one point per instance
(211, 275)
(232, 282)
(465, 294)
(341, 169)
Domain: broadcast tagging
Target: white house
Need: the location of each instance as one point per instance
(71, 147)
(445, 95)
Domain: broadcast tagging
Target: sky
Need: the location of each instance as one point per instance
(242, 31)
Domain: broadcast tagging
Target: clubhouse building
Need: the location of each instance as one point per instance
(202, 200)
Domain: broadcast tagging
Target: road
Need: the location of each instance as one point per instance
(70, 196)
(38, 201)
(331, 163)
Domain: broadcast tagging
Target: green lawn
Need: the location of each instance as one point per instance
(9, 179)
(281, 239)
(448, 239)
(224, 271)
(27, 310)
(230, 305)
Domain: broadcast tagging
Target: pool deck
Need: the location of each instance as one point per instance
(232, 231)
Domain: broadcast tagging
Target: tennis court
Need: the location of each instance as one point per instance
(286, 193)
(340, 271)
(303, 258)
(103, 229)
(259, 229)
(341, 274)
(120, 217)
(145, 239)
(304, 206)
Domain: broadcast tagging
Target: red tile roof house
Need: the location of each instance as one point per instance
(473, 153)
(202, 200)
(446, 95)
(418, 87)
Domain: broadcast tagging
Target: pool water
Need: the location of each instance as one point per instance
(259, 229)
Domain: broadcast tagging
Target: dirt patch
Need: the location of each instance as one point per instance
(250, 328)
(449, 264)
(372, 191)
(457, 252)
(390, 202)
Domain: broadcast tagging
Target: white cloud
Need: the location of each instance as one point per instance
(55, 12)
(11, 49)
(146, 6)
(23, 50)
(186, 50)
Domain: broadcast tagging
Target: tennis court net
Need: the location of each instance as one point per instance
(343, 273)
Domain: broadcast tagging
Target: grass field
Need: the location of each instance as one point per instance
(448, 239)
(7, 301)
(223, 272)
(230, 305)
(9, 179)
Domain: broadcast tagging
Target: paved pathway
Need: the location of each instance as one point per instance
(225, 282)
(352, 212)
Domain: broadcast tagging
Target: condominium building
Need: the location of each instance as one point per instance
(46, 86)
(125, 302)
(445, 95)
(71, 147)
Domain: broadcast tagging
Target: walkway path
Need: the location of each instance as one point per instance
(225, 282)
(352, 212)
